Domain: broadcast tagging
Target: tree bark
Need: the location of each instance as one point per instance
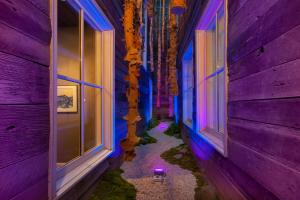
(133, 42)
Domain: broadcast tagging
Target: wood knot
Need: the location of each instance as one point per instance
(10, 128)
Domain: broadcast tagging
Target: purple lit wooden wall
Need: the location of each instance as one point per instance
(263, 109)
(264, 90)
(25, 34)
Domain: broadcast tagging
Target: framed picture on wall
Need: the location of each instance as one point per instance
(67, 99)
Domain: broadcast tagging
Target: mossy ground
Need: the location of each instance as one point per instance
(113, 187)
(182, 156)
(145, 138)
(173, 130)
(152, 124)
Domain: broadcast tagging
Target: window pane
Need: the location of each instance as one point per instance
(212, 103)
(221, 101)
(188, 85)
(92, 117)
(221, 38)
(211, 48)
(92, 70)
(68, 41)
(68, 121)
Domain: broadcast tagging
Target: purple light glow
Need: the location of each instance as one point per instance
(163, 126)
(158, 170)
(202, 149)
(208, 14)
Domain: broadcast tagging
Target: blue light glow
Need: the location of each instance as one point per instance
(93, 14)
(208, 14)
(188, 54)
(176, 112)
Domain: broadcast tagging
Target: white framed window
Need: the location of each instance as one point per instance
(188, 86)
(81, 92)
(211, 75)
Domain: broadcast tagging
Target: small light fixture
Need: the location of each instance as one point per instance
(159, 175)
(178, 7)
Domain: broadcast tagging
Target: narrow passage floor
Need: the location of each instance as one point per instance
(179, 183)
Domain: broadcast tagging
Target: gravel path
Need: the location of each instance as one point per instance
(179, 183)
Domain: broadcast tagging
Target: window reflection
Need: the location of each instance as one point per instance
(68, 121)
(68, 41)
(92, 117)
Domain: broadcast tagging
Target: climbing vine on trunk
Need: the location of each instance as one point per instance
(172, 54)
(150, 12)
(159, 58)
(132, 23)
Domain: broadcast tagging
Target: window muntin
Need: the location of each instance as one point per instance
(79, 65)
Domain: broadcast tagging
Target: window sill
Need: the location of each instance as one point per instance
(214, 139)
(66, 182)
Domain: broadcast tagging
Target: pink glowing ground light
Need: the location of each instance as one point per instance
(163, 126)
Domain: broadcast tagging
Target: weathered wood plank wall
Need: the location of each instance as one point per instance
(263, 108)
(24, 94)
(263, 125)
(24, 102)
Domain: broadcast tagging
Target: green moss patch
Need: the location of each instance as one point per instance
(182, 156)
(145, 138)
(113, 187)
(173, 130)
(152, 124)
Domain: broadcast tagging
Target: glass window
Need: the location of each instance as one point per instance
(92, 72)
(215, 73)
(211, 89)
(188, 86)
(68, 121)
(79, 91)
(68, 41)
(82, 107)
(92, 117)
(211, 48)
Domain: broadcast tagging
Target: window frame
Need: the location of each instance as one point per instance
(62, 179)
(216, 139)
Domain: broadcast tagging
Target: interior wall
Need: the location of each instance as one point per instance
(69, 125)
